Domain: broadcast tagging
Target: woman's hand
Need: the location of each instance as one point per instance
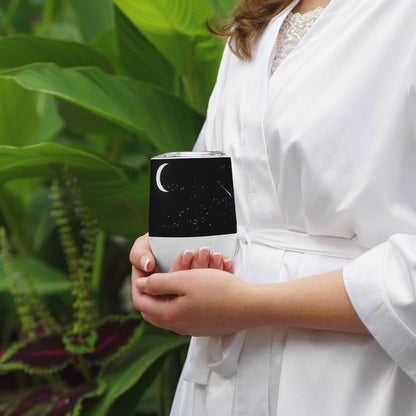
(141, 257)
(144, 263)
(203, 258)
(201, 299)
(197, 302)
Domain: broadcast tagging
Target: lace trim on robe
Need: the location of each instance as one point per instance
(293, 29)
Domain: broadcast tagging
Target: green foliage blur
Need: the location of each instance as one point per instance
(94, 88)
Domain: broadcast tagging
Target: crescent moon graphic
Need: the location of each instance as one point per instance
(158, 182)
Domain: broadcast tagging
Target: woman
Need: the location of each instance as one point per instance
(319, 315)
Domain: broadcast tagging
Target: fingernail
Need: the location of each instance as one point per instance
(145, 263)
(216, 258)
(187, 257)
(227, 262)
(203, 255)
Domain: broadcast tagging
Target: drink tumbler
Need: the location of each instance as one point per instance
(191, 205)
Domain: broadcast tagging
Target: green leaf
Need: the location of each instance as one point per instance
(140, 59)
(178, 30)
(106, 43)
(51, 11)
(130, 400)
(84, 122)
(16, 199)
(74, 345)
(65, 28)
(20, 50)
(49, 119)
(123, 373)
(223, 8)
(46, 279)
(170, 25)
(120, 206)
(16, 17)
(40, 224)
(93, 16)
(19, 124)
(162, 119)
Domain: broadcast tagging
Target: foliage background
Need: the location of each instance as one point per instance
(97, 87)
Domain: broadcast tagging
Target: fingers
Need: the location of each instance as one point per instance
(161, 284)
(201, 258)
(228, 265)
(141, 255)
(183, 261)
(216, 261)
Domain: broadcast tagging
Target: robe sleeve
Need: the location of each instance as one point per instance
(381, 285)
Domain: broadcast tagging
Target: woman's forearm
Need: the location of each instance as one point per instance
(318, 302)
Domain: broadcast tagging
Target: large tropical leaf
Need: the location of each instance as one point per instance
(136, 395)
(161, 118)
(46, 279)
(223, 8)
(14, 17)
(119, 205)
(93, 16)
(178, 30)
(106, 43)
(139, 57)
(84, 122)
(50, 122)
(170, 25)
(19, 123)
(19, 50)
(124, 373)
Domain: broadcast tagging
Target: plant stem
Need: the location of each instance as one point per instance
(48, 10)
(98, 261)
(115, 148)
(9, 16)
(83, 367)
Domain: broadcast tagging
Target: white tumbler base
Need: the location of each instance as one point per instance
(166, 249)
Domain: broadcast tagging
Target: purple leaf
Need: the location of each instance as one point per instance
(114, 335)
(39, 356)
(45, 395)
(70, 403)
(4, 408)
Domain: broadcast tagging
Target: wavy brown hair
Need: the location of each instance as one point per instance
(248, 20)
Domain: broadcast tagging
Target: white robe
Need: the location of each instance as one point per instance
(325, 147)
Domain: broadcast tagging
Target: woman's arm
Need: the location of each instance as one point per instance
(319, 302)
(206, 302)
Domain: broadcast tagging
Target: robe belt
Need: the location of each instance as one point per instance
(221, 353)
(301, 242)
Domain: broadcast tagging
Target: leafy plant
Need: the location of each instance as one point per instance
(90, 90)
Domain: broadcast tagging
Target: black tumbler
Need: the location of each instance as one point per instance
(191, 205)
